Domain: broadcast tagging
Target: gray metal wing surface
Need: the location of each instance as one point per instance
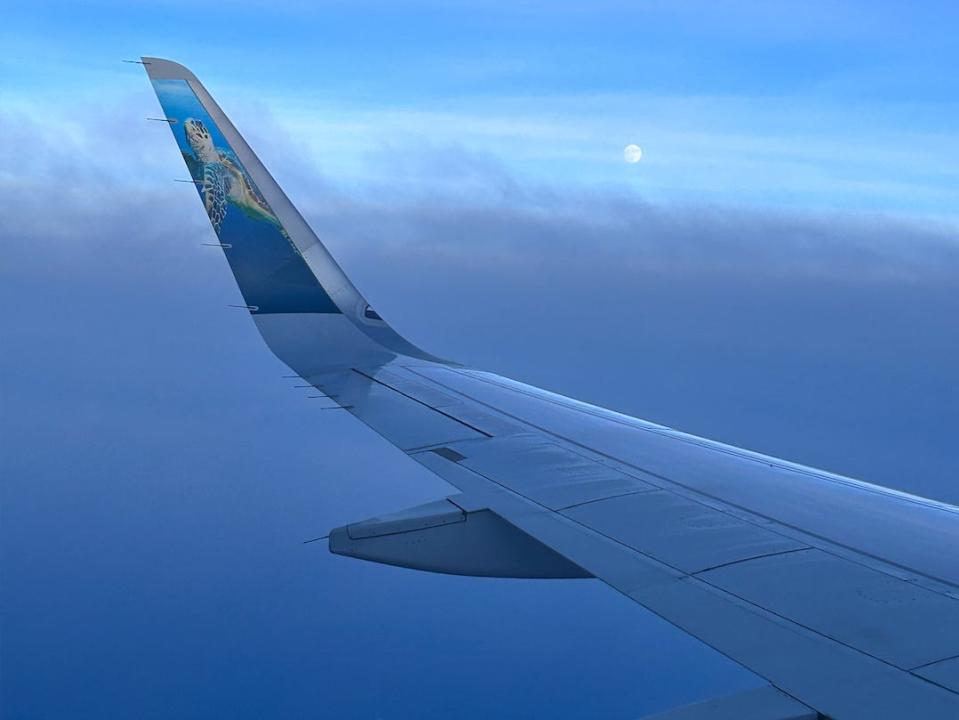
(843, 595)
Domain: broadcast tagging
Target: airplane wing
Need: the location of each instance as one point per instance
(843, 595)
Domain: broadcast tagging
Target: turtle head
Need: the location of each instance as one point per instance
(200, 140)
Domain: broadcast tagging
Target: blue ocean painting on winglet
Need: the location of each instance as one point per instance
(271, 273)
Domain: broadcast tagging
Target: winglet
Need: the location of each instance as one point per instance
(161, 69)
(280, 265)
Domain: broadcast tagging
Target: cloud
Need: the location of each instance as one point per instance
(76, 187)
(92, 193)
(621, 233)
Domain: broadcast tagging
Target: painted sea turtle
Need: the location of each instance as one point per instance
(222, 179)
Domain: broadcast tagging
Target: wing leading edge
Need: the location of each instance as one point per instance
(843, 595)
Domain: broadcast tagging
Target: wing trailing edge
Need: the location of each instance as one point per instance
(764, 703)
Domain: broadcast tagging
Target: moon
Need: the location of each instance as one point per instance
(632, 154)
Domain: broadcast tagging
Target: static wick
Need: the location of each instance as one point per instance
(251, 308)
(172, 121)
(225, 246)
(307, 542)
(137, 62)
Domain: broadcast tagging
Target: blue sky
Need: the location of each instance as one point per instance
(847, 106)
(780, 272)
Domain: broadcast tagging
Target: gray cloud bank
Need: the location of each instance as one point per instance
(108, 174)
(697, 316)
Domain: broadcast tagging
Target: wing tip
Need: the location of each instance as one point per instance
(162, 69)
